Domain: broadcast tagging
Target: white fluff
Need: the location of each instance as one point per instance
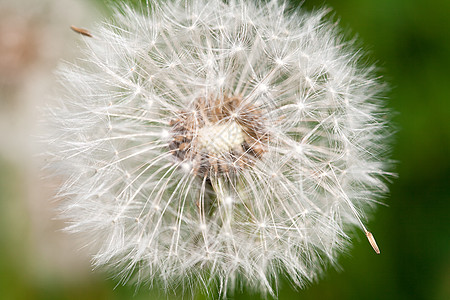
(151, 218)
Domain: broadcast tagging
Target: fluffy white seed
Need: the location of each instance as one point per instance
(218, 143)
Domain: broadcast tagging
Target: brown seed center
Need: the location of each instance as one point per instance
(219, 136)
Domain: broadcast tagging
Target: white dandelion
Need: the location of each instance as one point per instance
(219, 143)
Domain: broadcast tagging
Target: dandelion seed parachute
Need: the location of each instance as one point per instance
(218, 143)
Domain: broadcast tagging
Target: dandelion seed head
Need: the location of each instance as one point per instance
(231, 141)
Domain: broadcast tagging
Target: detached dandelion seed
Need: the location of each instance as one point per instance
(219, 143)
(81, 31)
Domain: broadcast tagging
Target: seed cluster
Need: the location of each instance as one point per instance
(219, 136)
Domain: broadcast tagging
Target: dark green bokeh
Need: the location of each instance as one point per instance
(410, 39)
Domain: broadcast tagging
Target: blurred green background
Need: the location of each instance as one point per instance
(410, 39)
